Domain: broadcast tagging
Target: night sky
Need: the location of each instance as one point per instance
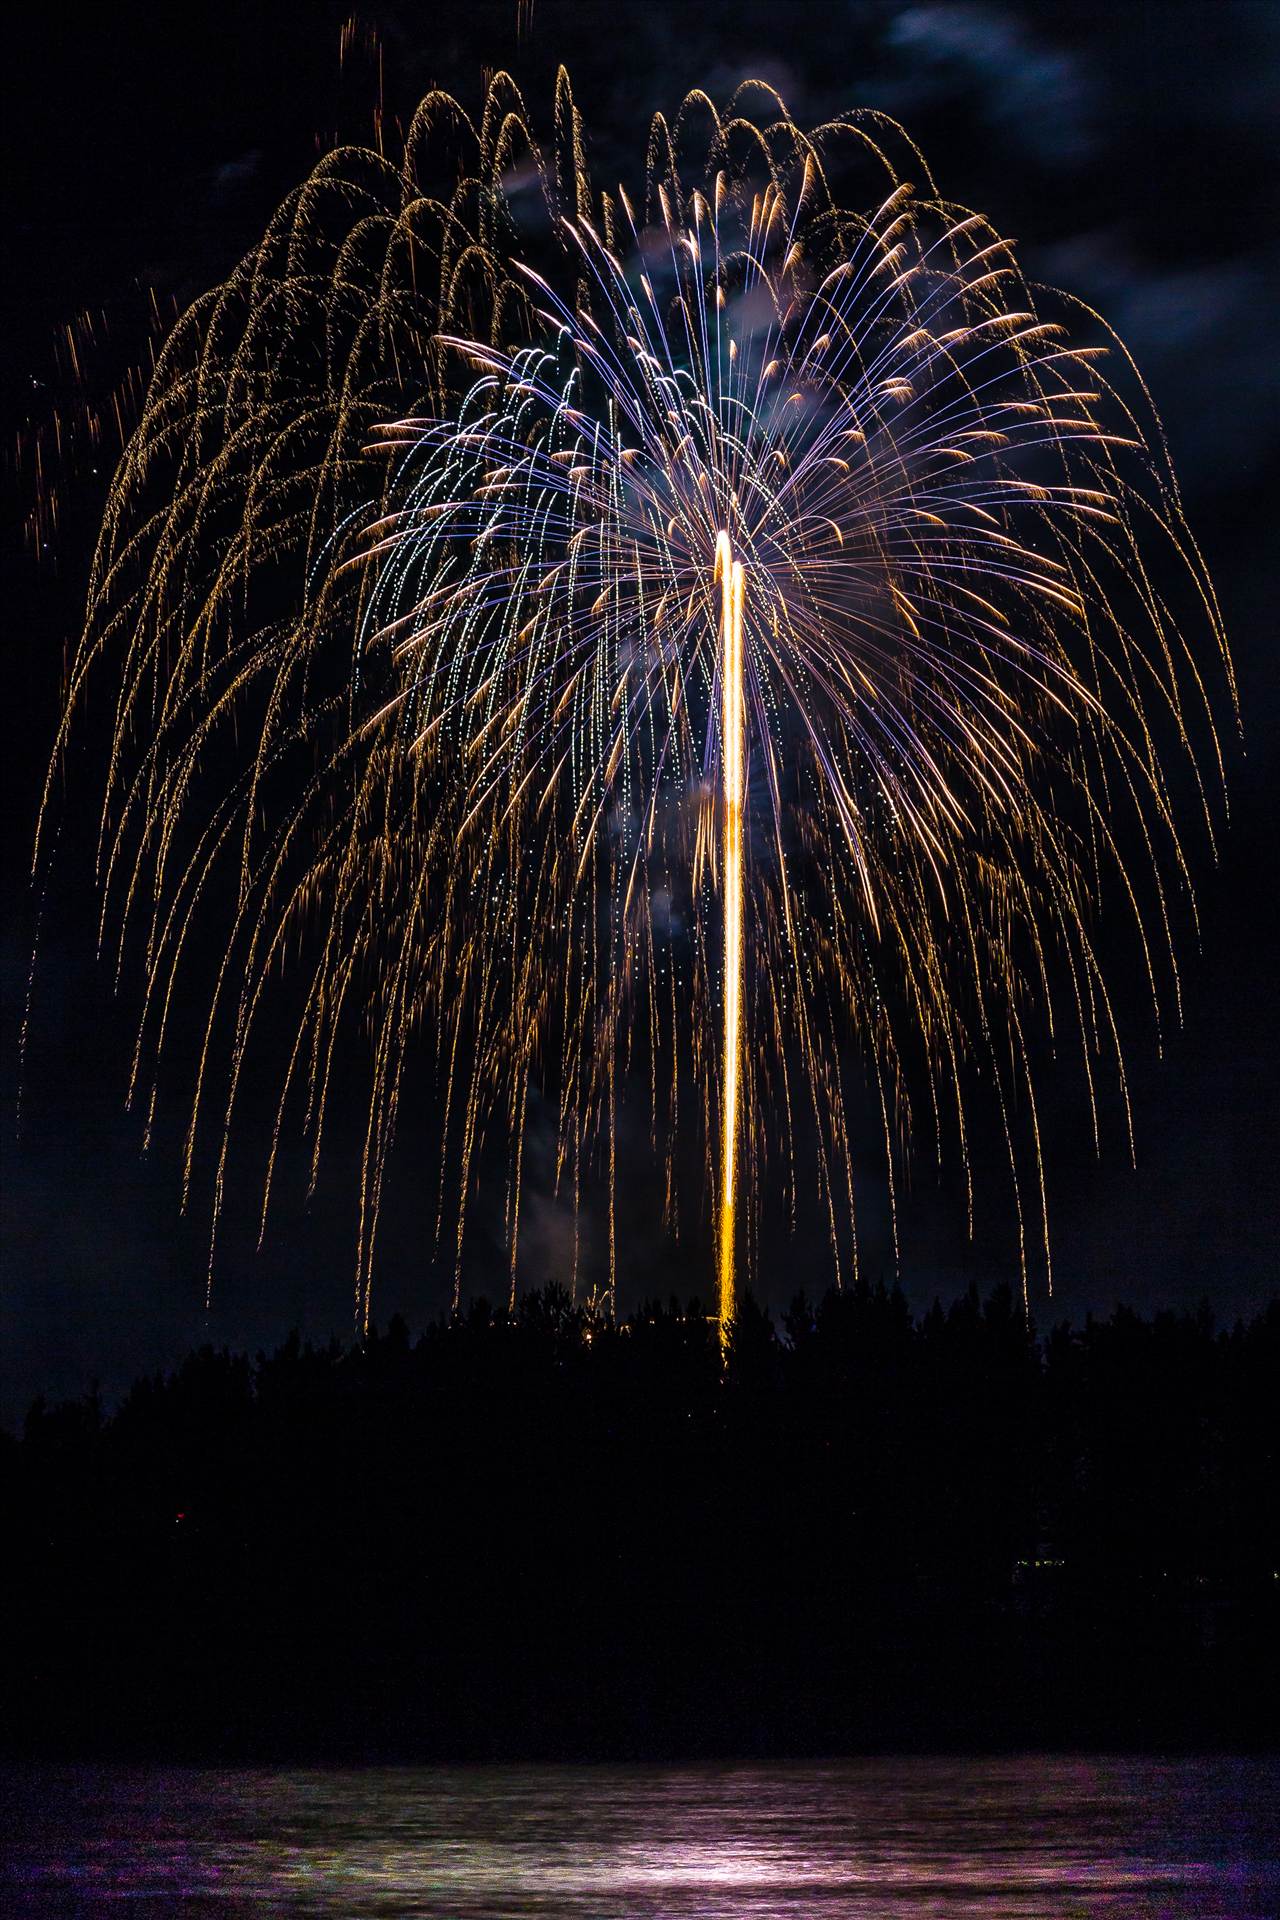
(1128, 147)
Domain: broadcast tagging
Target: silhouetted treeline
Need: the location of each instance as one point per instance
(546, 1535)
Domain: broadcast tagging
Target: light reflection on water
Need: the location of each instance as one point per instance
(1037, 1838)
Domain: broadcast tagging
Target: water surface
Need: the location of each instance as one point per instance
(1036, 1837)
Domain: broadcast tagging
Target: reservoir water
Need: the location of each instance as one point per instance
(1028, 1837)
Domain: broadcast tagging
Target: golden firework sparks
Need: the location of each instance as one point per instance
(581, 627)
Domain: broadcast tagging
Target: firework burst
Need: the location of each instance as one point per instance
(727, 639)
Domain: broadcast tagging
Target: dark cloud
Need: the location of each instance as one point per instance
(1194, 332)
(231, 176)
(1035, 95)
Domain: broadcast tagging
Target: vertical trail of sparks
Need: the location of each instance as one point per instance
(729, 576)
